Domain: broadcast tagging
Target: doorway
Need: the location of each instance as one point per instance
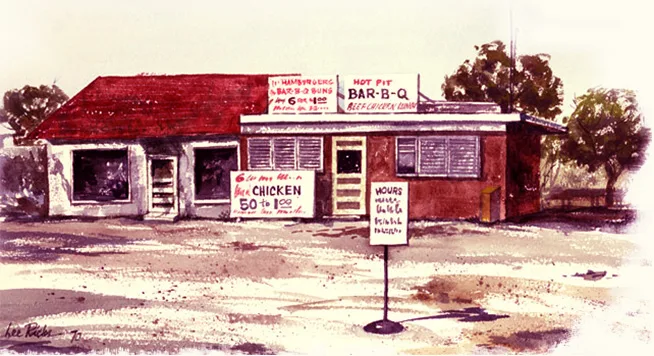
(162, 187)
(349, 175)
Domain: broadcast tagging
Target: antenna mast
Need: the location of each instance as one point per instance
(511, 57)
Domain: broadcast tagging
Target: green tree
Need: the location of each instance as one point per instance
(536, 90)
(24, 109)
(606, 131)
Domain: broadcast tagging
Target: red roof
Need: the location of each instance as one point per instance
(157, 106)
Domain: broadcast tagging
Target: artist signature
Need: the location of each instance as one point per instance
(36, 331)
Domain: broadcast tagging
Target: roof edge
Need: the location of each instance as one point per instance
(225, 75)
(34, 134)
(378, 118)
(548, 126)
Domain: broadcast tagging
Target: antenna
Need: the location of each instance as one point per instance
(511, 57)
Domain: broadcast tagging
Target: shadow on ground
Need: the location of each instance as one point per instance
(40, 347)
(531, 341)
(18, 305)
(612, 219)
(465, 315)
(47, 246)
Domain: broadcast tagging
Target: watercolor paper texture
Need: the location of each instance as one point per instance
(270, 177)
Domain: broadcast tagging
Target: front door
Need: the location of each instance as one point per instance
(162, 186)
(349, 172)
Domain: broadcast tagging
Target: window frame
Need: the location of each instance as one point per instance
(219, 145)
(296, 153)
(127, 200)
(418, 157)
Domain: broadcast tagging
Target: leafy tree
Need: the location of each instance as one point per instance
(536, 90)
(606, 131)
(24, 109)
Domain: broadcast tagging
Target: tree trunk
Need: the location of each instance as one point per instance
(612, 175)
(610, 192)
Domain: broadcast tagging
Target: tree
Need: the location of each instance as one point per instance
(606, 131)
(24, 109)
(488, 78)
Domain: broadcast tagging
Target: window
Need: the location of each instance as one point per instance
(348, 161)
(212, 168)
(438, 156)
(100, 175)
(285, 153)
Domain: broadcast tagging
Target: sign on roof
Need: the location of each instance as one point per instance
(379, 94)
(300, 94)
(272, 194)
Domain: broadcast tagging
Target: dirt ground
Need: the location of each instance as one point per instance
(275, 287)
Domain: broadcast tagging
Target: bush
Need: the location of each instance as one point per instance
(23, 181)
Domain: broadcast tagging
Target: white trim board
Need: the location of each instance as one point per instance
(326, 127)
(380, 118)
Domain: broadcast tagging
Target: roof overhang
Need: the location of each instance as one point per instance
(374, 123)
(543, 126)
(378, 123)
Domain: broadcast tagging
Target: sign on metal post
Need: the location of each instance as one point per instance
(388, 226)
(389, 204)
(272, 194)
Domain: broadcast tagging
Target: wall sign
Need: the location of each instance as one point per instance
(299, 94)
(272, 194)
(389, 213)
(375, 94)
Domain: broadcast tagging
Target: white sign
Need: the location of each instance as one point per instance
(272, 194)
(292, 95)
(383, 94)
(389, 213)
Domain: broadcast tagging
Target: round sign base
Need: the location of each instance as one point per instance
(383, 327)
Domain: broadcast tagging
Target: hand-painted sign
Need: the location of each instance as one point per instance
(272, 194)
(387, 93)
(389, 213)
(291, 95)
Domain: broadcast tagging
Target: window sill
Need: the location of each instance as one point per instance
(250, 169)
(211, 201)
(98, 202)
(436, 176)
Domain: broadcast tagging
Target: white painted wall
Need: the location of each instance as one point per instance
(60, 174)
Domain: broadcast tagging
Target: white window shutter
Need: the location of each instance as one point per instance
(259, 154)
(310, 153)
(464, 158)
(433, 156)
(284, 153)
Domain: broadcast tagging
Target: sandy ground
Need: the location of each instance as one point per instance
(309, 288)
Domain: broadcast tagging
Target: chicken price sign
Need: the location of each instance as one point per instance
(272, 194)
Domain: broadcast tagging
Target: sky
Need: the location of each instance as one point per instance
(591, 43)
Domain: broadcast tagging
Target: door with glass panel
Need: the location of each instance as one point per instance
(349, 175)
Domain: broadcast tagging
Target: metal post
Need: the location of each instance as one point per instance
(385, 282)
(384, 326)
